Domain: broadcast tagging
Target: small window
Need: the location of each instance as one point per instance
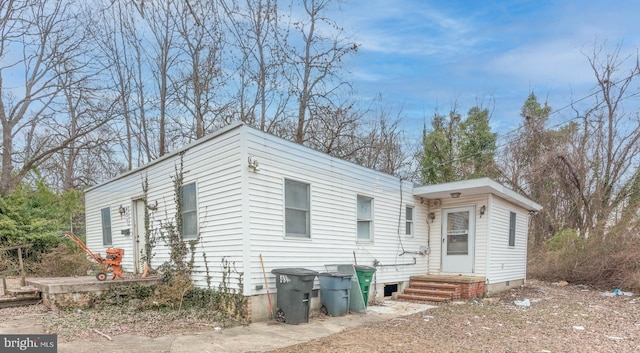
(297, 209)
(105, 215)
(409, 221)
(512, 229)
(189, 212)
(365, 217)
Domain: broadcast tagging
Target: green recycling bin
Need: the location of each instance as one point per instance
(365, 275)
(335, 289)
(294, 286)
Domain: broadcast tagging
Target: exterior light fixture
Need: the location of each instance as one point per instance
(431, 216)
(455, 195)
(253, 164)
(483, 209)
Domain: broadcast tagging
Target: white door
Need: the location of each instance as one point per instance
(138, 236)
(458, 239)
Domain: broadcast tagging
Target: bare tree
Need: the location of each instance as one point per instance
(585, 174)
(603, 165)
(255, 26)
(200, 78)
(163, 55)
(50, 57)
(316, 63)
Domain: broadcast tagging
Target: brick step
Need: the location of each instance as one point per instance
(423, 298)
(432, 285)
(432, 292)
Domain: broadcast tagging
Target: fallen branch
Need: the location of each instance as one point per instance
(102, 334)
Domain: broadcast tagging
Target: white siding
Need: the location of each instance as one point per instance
(215, 166)
(334, 185)
(481, 231)
(241, 211)
(506, 263)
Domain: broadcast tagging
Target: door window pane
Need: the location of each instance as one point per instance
(458, 233)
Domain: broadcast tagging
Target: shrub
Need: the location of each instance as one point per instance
(607, 262)
(63, 261)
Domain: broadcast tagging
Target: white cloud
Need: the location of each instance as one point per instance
(557, 63)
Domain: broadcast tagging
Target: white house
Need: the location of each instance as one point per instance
(247, 193)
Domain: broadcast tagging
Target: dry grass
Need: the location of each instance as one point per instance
(612, 262)
(560, 319)
(574, 318)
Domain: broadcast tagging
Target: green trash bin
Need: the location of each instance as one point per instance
(335, 289)
(365, 275)
(294, 286)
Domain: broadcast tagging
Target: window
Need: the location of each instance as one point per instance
(189, 212)
(512, 229)
(365, 217)
(409, 221)
(105, 215)
(297, 209)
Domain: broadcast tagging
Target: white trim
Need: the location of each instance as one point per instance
(475, 187)
(245, 219)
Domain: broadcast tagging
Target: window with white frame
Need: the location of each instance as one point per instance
(512, 229)
(189, 211)
(365, 218)
(408, 216)
(297, 209)
(105, 215)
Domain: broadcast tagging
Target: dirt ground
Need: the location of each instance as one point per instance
(570, 318)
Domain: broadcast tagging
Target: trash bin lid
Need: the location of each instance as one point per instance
(365, 268)
(294, 271)
(335, 274)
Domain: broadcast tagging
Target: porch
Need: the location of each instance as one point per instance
(443, 288)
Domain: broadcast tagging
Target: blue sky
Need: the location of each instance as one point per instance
(424, 55)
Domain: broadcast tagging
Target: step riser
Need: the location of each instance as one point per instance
(422, 298)
(431, 293)
(416, 284)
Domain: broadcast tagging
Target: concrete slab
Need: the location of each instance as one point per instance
(59, 292)
(58, 285)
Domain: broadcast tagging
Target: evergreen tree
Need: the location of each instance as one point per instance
(457, 149)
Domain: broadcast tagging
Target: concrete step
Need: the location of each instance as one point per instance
(27, 292)
(423, 298)
(7, 302)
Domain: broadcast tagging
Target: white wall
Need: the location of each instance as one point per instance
(241, 212)
(214, 165)
(481, 231)
(507, 263)
(335, 185)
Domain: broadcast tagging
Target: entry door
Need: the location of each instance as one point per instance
(138, 236)
(458, 239)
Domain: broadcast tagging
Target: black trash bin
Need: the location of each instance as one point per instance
(334, 292)
(294, 287)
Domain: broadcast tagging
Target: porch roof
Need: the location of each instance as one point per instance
(481, 186)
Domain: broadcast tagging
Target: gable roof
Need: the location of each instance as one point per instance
(475, 187)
